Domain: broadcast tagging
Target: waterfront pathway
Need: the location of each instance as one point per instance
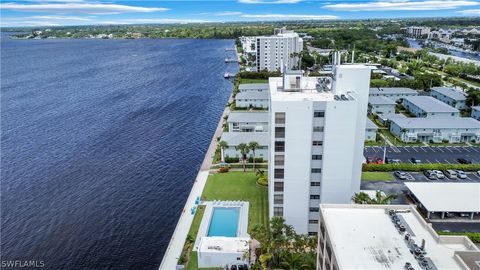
(175, 247)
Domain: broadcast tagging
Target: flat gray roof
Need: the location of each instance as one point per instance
(251, 117)
(380, 100)
(455, 197)
(235, 138)
(388, 116)
(392, 91)
(430, 104)
(476, 108)
(253, 86)
(253, 95)
(437, 122)
(450, 92)
(371, 124)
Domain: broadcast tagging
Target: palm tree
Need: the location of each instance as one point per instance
(243, 148)
(253, 145)
(223, 145)
(382, 198)
(361, 198)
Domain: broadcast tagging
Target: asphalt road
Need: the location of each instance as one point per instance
(427, 154)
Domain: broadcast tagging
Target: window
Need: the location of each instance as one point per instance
(314, 197)
(278, 173)
(312, 233)
(317, 129)
(279, 132)
(318, 114)
(316, 170)
(278, 211)
(317, 143)
(313, 221)
(316, 157)
(278, 186)
(314, 209)
(278, 198)
(279, 118)
(279, 160)
(315, 184)
(279, 146)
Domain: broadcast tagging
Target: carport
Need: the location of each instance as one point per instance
(442, 198)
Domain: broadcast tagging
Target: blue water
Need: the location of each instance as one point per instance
(101, 142)
(224, 222)
(414, 43)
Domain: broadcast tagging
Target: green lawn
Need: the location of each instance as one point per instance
(239, 186)
(253, 81)
(377, 176)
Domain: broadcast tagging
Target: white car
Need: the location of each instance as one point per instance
(478, 173)
(461, 174)
(439, 174)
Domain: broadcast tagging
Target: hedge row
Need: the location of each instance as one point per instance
(419, 167)
(237, 160)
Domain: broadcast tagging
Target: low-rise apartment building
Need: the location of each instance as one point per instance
(255, 87)
(450, 96)
(381, 105)
(249, 44)
(436, 129)
(252, 99)
(233, 139)
(476, 112)
(371, 131)
(393, 93)
(376, 237)
(239, 121)
(425, 106)
(418, 31)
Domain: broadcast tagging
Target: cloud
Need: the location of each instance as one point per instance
(269, 1)
(228, 13)
(79, 7)
(50, 20)
(401, 5)
(289, 17)
(470, 12)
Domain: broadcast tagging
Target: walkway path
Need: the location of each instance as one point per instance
(175, 247)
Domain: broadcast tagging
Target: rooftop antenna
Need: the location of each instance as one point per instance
(353, 54)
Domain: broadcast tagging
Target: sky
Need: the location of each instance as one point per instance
(92, 12)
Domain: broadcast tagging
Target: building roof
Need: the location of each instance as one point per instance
(455, 197)
(430, 104)
(249, 117)
(436, 122)
(253, 86)
(392, 91)
(253, 95)
(475, 108)
(365, 237)
(224, 244)
(371, 124)
(380, 100)
(236, 138)
(450, 92)
(389, 116)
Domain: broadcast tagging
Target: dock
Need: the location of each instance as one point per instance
(230, 60)
(228, 75)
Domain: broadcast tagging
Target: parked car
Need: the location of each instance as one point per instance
(400, 175)
(449, 215)
(430, 174)
(379, 161)
(478, 173)
(439, 174)
(461, 174)
(415, 160)
(369, 160)
(451, 174)
(464, 215)
(464, 161)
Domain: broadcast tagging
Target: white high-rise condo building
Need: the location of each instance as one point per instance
(275, 52)
(317, 132)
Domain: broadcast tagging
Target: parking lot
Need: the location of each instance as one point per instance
(420, 177)
(427, 154)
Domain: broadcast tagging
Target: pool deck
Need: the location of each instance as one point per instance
(175, 247)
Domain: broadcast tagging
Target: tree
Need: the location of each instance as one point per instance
(223, 145)
(380, 198)
(253, 145)
(361, 198)
(243, 148)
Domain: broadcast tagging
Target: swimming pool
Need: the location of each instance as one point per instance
(224, 221)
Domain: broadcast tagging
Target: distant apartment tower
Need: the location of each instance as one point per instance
(418, 31)
(277, 51)
(317, 132)
(249, 44)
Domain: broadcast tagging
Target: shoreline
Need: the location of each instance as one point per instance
(177, 241)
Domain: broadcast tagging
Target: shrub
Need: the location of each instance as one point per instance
(223, 169)
(262, 181)
(232, 159)
(257, 160)
(419, 167)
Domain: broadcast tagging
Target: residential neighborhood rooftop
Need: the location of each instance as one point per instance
(388, 116)
(436, 122)
(455, 197)
(235, 138)
(253, 95)
(371, 124)
(365, 237)
(450, 92)
(248, 117)
(391, 90)
(476, 108)
(380, 100)
(430, 104)
(253, 86)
